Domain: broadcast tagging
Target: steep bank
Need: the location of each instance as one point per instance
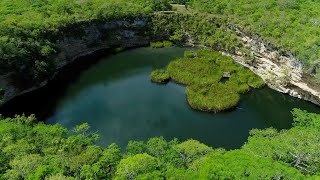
(280, 70)
(93, 37)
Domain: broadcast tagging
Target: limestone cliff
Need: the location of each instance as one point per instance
(92, 37)
(280, 70)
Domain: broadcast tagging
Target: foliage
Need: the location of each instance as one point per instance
(167, 44)
(159, 76)
(297, 147)
(161, 44)
(193, 29)
(130, 167)
(34, 150)
(31, 31)
(213, 98)
(156, 44)
(202, 71)
(290, 25)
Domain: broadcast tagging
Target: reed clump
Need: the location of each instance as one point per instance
(202, 70)
(160, 76)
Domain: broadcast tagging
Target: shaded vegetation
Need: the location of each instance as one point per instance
(1, 95)
(159, 76)
(202, 71)
(34, 150)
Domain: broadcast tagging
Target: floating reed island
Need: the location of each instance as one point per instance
(202, 72)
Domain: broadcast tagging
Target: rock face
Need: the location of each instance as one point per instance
(281, 71)
(92, 37)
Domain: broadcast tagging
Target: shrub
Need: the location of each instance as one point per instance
(132, 166)
(167, 44)
(159, 76)
(156, 44)
(119, 49)
(161, 44)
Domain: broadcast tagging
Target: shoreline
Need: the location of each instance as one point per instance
(273, 68)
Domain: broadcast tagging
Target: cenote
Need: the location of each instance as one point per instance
(115, 96)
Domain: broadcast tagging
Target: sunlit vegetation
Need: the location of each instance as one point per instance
(156, 45)
(182, 28)
(201, 71)
(288, 24)
(213, 98)
(161, 44)
(167, 44)
(159, 76)
(33, 150)
(30, 31)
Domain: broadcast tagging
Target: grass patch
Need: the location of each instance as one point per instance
(202, 70)
(161, 44)
(212, 98)
(159, 76)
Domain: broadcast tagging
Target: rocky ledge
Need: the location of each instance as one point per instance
(281, 71)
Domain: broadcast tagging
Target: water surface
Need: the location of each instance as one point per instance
(116, 97)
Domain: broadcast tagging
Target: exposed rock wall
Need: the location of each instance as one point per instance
(93, 37)
(281, 71)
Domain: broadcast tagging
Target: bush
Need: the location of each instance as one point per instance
(156, 44)
(167, 44)
(159, 76)
(161, 44)
(132, 166)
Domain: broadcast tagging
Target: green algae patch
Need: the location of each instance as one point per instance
(202, 72)
(159, 76)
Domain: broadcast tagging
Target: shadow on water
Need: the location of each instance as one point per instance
(115, 96)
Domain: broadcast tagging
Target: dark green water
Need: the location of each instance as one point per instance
(116, 97)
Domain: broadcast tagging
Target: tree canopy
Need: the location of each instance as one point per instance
(33, 150)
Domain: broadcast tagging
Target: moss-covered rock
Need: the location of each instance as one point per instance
(159, 76)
